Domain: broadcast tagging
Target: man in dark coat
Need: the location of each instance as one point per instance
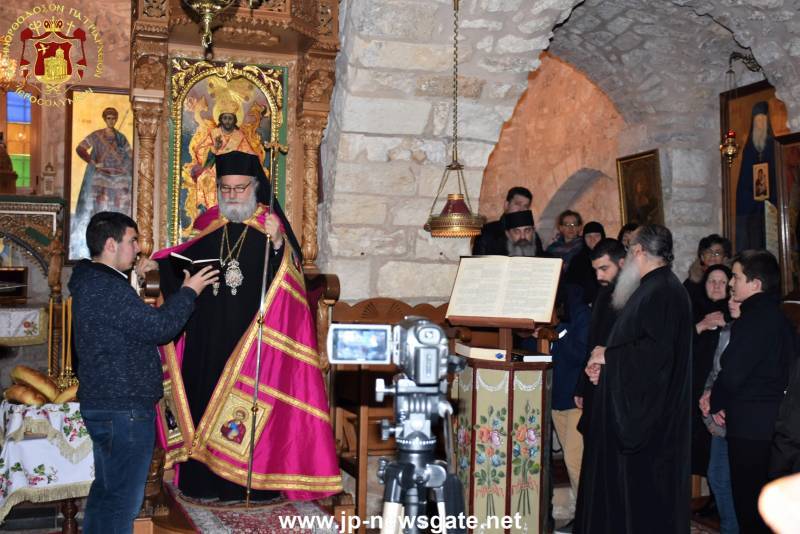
(493, 234)
(117, 334)
(747, 394)
(580, 271)
(608, 258)
(785, 457)
(636, 475)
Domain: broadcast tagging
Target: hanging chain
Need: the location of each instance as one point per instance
(455, 80)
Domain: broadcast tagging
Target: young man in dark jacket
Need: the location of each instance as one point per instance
(750, 387)
(785, 458)
(116, 338)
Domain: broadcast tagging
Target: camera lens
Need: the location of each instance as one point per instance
(429, 335)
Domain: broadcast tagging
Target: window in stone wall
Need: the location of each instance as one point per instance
(18, 137)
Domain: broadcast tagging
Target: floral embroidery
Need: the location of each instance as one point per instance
(74, 427)
(41, 474)
(30, 328)
(489, 456)
(527, 441)
(5, 477)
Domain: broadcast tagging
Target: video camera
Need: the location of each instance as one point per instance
(419, 348)
(416, 345)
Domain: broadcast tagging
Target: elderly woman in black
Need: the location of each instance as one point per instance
(710, 314)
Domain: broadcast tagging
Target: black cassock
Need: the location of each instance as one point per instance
(212, 333)
(635, 474)
(603, 318)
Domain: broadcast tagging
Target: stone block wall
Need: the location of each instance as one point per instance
(388, 137)
(561, 143)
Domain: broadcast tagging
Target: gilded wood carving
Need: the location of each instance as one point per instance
(201, 93)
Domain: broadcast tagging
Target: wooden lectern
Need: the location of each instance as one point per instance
(502, 424)
(502, 436)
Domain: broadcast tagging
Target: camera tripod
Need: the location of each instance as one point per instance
(408, 479)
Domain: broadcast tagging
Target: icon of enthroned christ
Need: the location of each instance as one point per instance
(238, 111)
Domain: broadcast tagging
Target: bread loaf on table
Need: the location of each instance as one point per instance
(68, 395)
(25, 395)
(22, 374)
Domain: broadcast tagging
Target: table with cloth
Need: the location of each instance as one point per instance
(46, 454)
(23, 326)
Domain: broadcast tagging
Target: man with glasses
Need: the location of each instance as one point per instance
(211, 394)
(567, 243)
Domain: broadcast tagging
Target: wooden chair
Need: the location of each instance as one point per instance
(355, 413)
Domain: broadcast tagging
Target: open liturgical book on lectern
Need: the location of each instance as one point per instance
(508, 289)
(504, 292)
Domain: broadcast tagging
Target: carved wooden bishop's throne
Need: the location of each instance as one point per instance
(272, 65)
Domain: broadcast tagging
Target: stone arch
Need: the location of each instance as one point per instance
(587, 191)
(551, 146)
(659, 64)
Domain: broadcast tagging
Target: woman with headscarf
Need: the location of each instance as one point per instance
(710, 314)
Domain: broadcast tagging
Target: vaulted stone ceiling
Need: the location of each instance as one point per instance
(661, 62)
(667, 57)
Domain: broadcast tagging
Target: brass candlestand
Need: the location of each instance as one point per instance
(66, 377)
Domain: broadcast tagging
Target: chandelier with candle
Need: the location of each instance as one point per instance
(456, 218)
(729, 148)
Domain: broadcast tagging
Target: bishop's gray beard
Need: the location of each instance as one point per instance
(759, 138)
(527, 248)
(238, 212)
(627, 282)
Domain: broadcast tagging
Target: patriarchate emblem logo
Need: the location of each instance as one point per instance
(57, 47)
(58, 56)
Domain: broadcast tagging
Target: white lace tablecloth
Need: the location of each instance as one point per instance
(46, 454)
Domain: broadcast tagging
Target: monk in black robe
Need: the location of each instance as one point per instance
(607, 259)
(636, 476)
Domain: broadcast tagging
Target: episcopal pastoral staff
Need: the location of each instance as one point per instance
(210, 370)
(638, 475)
(116, 334)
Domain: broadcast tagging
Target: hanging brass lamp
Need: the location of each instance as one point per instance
(728, 147)
(207, 10)
(456, 218)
